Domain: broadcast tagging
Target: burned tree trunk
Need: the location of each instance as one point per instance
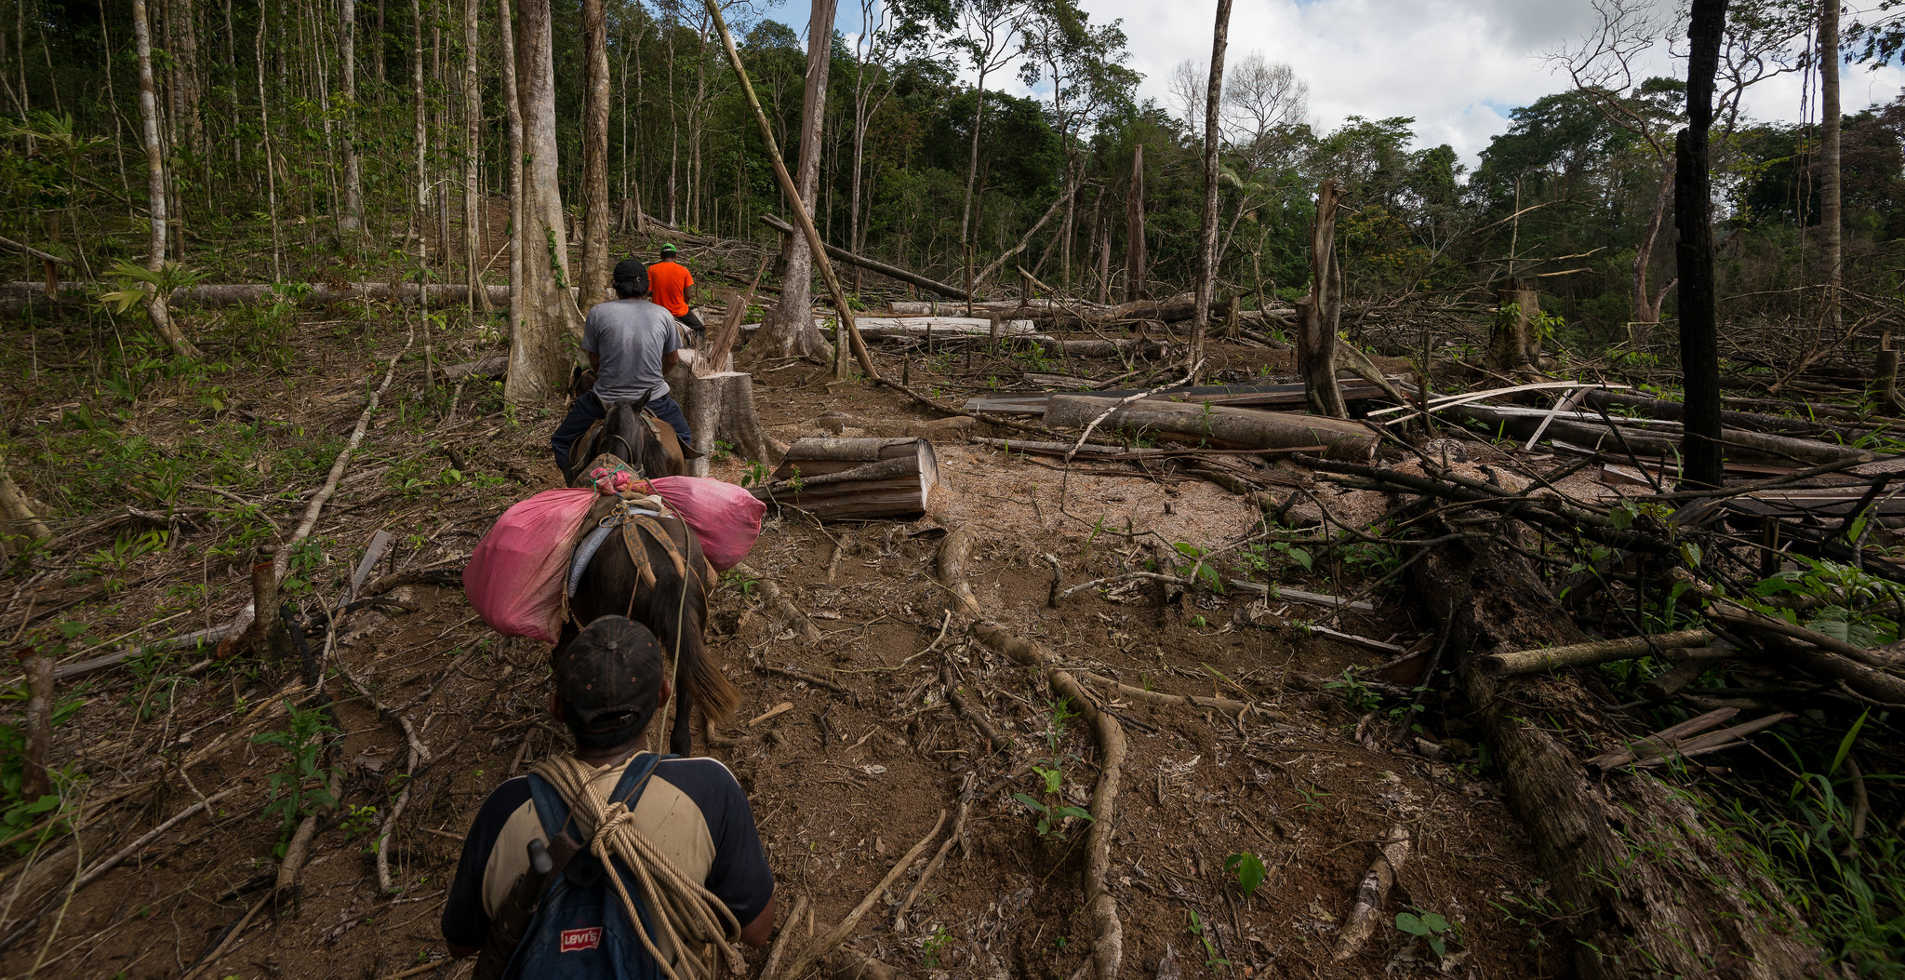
(1648, 892)
(1693, 215)
(1317, 314)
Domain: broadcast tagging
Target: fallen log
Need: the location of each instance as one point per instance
(493, 366)
(1662, 444)
(1650, 892)
(1594, 652)
(943, 326)
(874, 265)
(233, 294)
(1221, 426)
(855, 478)
(1661, 408)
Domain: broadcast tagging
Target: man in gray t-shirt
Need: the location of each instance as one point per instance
(630, 342)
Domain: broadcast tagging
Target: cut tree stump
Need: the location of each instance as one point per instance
(855, 479)
(720, 408)
(1238, 428)
(1649, 891)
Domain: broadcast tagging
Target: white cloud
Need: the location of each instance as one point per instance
(1456, 66)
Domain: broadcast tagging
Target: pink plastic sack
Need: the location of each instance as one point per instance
(515, 575)
(725, 517)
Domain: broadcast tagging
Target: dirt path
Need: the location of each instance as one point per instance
(843, 782)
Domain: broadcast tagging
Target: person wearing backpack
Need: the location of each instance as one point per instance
(532, 896)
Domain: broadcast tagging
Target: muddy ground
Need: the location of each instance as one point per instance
(159, 493)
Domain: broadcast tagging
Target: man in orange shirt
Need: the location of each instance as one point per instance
(672, 286)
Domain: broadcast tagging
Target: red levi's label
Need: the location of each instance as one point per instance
(580, 940)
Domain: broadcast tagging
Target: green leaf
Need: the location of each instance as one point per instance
(1036, 805)
(1435, 922)
(1073, 811)
(1249, 871)
(1408, 922)
(1846, 743)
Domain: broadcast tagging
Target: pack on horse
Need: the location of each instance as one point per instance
(648, 566)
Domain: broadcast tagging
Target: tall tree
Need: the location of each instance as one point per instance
(539, 355)
(513, 110)
(1134, 257)
(472, 144)
(1830, 221)
(791, 327)
(421, 138)
(595, 151)
(350, 218)
(1701, 460)
(992, 33)
(156, 298)
(1213, 140)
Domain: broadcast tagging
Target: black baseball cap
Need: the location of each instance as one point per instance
(631, 272)
(609, 680)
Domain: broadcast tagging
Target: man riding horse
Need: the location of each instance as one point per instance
(630, 342)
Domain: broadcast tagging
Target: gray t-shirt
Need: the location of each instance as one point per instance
(631, 336)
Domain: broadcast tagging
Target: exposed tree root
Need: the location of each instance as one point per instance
(1371, 893)
(1108, 947)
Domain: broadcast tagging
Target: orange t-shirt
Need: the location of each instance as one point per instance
(668, 284)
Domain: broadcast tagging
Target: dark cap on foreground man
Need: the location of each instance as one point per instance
(608, 688)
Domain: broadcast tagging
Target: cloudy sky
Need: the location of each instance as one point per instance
(1458, 66)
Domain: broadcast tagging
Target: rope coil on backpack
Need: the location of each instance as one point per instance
(685, 914)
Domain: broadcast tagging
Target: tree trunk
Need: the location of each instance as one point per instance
(422, 134)
(350, 219)
(539, 354)
(1651, 891)
(17, 511)
(472, 142)
(1134, 229)
(271, 165)
(1702, 461)
(156, 299)
(972, 174)
(595, 153)
(1513, 345)
(790, 328)
(512, 105)
(1317, 315)
(1216, 425)
(1207, 257)
(1830, 222)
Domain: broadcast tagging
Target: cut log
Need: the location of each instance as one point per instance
(1593, 652)
(17, 511)
(1651, 892)
(1239, 428)
(855, 479)
(941, 326)
(874, 265)
(720, 408)
(1235, 396)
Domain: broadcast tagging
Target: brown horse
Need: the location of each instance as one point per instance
(646, 443)
(667, 590)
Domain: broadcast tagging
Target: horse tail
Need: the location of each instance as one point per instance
(709, 688)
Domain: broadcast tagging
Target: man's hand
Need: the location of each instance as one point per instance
(758, 932)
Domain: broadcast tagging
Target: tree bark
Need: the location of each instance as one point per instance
(595, 152)
(156, 298)
(539, 352)
(472, 143)
(1702, 453)
(790, 327)
(1134, 258)
(1316, 315)
(350, 219)
(1207, 258)
(512, 105)
(1831, 225)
